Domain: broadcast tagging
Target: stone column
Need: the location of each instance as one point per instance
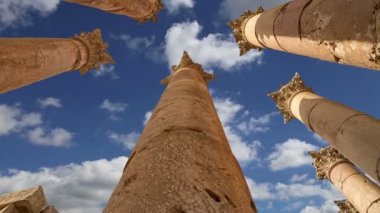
(346, 207)
(140, 10)
(355, 134)
(26, 201)
(342, 31)
(182, 161)
(24, 61)
(360, 191)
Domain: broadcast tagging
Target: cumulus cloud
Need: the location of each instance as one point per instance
(50, 102)
(298, 178)
(72, 188)
(15, 13)
(13, 119)
(292, 194)
(328, 207)
(57, 137)
(106, 70)
(173, 6)
(147, 117)
(319, 138)
(244, 152)
(257, 124)
(135, 43)
(290, 154)
(234, 8)
(293, 191)
(212, 51)
(113, 108)
(262, 191)
(228, 110)
(128, 141)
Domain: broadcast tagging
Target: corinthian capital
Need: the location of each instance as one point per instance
(283, 96)
(96, 49)
(187, 62)
(325, 159)
(153, 16)
(237, 25)
(345, 206)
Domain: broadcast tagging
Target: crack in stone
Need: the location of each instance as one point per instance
(300, 19)
(374, 54)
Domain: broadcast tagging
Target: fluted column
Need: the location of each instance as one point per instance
(355, 134)
(24, 61)
(182, 161)
(342, 31)
(360, 191)
(346, 207)
(141, 10)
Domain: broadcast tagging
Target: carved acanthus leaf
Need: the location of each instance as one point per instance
(345, 206)
(97, 50)
(375, 54)
(325, 159)
(153, 16)
(236, 26)
(187, 62)
(283, 96)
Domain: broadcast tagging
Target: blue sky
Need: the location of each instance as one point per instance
(73, 134)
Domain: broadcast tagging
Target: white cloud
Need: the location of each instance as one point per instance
(259, 124)
(319, 138)
(227, 110)
(57, 137)
(234, 8)
(290, 154)
(294, 191)
(106, 70)
(13, 119)
(113, 106)
(299, 190)
(135, 43)
(244, 152)
(261, 191)
(298, 178)
(15, 13)
(328, 207)
(72, 188)
(213, 50)
(127, 140)
(174, 5)
(147, 117)
(50, 102)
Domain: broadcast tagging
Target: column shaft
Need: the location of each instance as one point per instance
(182, 161)
(355, 134)
(360, 191)
(24, 61)
(141, 10)
(342, 31)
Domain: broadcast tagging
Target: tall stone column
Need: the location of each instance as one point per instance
(342, 31)
(141, 10)
(182, 161)
(355, 134)
(360, 191)
(24, 61)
